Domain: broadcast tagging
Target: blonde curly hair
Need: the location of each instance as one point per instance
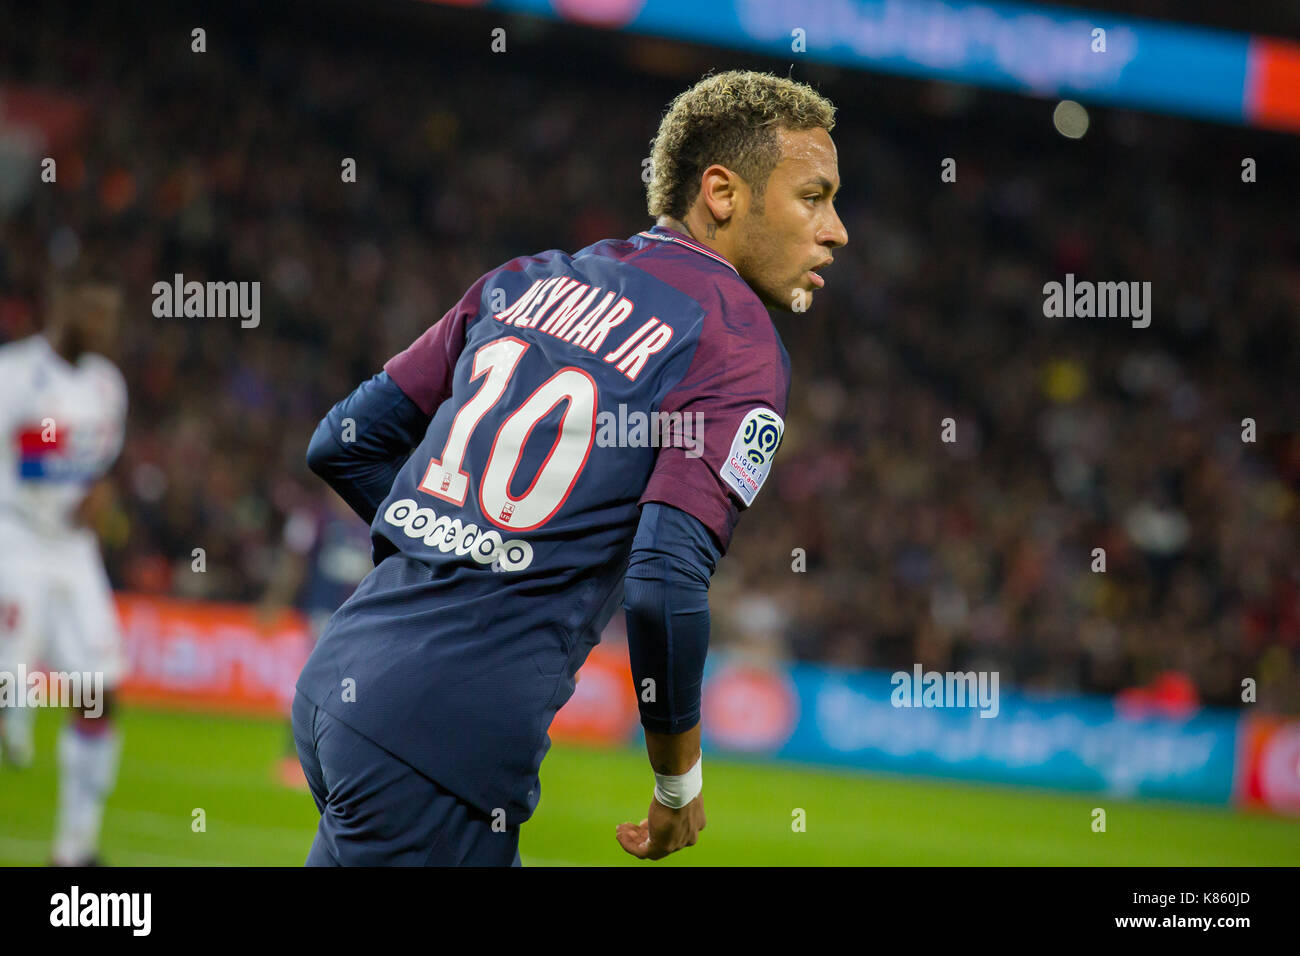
(730, 118)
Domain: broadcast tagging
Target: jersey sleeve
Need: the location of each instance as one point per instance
(736, 390)
(424, 370)
(9, 386)
(666, 600)
(111, 397)
(360, 446)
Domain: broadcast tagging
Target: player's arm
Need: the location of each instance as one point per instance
(101, 495)
(361, 445)
(97, 503)
(666, 599)
(736, 386)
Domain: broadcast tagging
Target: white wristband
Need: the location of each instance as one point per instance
(677, 791)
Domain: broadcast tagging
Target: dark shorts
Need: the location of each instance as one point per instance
(376, 810)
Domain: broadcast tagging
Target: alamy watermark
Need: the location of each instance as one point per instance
(920, 688)
(1102, 300)
(82, 690)
(208, 300)
(638, 429)
(133, 911)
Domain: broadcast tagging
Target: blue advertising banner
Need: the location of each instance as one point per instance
(1023, 49)
(1094, 56)
(870, 720)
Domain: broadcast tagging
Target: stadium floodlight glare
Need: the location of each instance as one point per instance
(1070, 119)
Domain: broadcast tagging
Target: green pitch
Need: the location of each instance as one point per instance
(175, 764)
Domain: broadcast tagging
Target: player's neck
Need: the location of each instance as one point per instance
(700, 234)
(63, 346)
(668, 222)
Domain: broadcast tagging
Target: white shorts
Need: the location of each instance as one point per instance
(56, 606)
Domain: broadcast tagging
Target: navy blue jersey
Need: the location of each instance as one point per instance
(564, 392)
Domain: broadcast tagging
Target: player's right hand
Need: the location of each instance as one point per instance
(664, 831)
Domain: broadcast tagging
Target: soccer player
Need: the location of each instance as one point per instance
(62, 418)
(515, 500)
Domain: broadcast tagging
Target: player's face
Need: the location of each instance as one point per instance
(92, 314)
(796, 227)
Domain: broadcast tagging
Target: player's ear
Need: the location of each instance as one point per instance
(719, 189)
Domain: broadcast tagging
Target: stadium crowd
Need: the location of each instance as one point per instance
(877, 543)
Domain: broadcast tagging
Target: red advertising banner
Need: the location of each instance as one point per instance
(603, 708)
(200, 655)
(1268, 764)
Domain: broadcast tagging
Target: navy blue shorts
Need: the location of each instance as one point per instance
(376, 810)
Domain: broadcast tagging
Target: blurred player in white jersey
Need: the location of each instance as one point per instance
(62, 417)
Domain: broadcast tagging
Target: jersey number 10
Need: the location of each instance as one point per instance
(445, 477)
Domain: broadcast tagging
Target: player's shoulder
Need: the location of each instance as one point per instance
(106, 375)
(691, 287)
(702, 274)
(100, 365)
(545, 260)
(735, 334)
(479, 298)
(737, 330)
(23, 350)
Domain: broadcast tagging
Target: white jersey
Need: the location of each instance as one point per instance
(61, 429)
